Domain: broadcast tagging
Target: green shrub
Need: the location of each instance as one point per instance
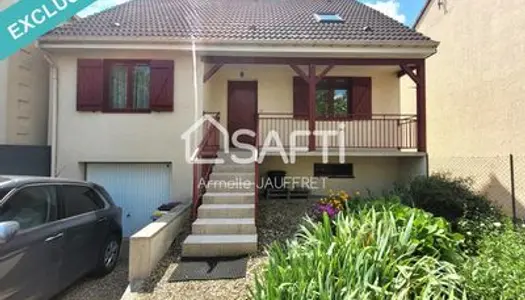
(498, 271)
(370, 253)
(475, 229)
(447, 197)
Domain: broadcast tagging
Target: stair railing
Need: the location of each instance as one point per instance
(207, 149)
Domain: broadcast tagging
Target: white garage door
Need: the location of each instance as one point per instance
(138, 188)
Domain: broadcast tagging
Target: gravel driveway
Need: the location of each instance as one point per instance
(109, 287)
(277, 221)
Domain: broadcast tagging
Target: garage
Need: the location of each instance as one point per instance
(138, 188)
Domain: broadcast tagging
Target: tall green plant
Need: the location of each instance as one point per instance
(433, 234)
(498, 271)
(369, 254)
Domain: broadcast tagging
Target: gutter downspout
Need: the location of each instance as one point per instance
(53, 98)
(197, 113)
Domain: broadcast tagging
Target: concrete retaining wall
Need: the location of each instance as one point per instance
(149, 245)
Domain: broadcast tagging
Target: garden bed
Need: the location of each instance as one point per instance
(432, 239)
(278, 220)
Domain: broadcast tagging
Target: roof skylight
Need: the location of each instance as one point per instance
(328, 18)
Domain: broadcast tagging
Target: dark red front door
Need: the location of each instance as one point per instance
(242, 108)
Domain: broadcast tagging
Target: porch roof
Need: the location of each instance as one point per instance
(242, 20)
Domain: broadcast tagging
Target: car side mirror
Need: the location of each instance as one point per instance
(8, 230)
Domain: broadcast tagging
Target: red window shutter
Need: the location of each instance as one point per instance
(162, 85)
(362, 97)
(300, 98)
(90, 84)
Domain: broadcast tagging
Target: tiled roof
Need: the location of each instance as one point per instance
(241, 20)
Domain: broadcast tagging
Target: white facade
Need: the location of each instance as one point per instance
(86, 137)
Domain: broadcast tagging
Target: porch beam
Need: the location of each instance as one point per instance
(409, 71)
(324, 72)
(312, 83)
(300, 72)
(421, 109)
(307, 61)
(209, 74)
(403, 73)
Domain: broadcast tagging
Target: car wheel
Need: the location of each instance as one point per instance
(108, 257)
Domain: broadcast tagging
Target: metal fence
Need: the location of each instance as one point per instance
(25, 160)
(500, 178)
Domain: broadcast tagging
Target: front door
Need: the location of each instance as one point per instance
(242, 109)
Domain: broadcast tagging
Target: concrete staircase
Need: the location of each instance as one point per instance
(225, 224)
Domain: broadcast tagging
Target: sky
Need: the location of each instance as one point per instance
(405, 11)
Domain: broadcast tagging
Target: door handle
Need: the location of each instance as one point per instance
(55, 237)
(103, 219)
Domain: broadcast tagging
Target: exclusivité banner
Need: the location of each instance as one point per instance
(25, 21)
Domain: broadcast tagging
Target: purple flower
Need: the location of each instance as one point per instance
(328, 209)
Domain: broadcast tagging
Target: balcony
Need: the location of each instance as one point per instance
(376, 131)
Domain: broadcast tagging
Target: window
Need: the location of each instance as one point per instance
(135, 86)
(129, 85)
(103, 192)
(333, 97)
(31, 207)
(328, 18)
(334, 170)
(80, 200)
(347, 98)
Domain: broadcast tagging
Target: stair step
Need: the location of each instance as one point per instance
(242, 155)
(219, 245)
(224, 226)
(233, 176)
(221, 211)
(230, 186)
(238, 152)
(228, 198)
(234, 168)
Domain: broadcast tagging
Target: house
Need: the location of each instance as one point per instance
(133, 79)
(475, 93)
(24, 95)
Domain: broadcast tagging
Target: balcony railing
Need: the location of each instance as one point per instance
(377, 131)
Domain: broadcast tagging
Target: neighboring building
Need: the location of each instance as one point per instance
(24, 86)
(24, 94)
(129, 86)
(476, 101)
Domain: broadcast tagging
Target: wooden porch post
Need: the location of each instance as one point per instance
(312, 82)
(421, 108)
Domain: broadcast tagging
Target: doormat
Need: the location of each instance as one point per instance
(210, 268)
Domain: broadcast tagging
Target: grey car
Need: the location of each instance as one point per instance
(52, 233)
